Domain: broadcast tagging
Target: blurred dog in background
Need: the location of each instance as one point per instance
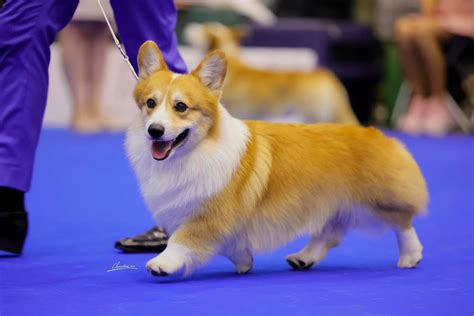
(316, 95)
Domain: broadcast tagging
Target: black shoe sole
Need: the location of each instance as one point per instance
(140, 249)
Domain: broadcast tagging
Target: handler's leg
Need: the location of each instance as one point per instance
(142, 20)
(28, 27)
(137, 22)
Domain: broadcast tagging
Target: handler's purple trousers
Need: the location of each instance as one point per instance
(27, 29)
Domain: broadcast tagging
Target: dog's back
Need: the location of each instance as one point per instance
(318, 172)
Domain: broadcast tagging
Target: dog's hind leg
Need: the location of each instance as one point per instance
(400, 218)
(409, 246)
(318, 246)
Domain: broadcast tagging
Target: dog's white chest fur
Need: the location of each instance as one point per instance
(175, 189)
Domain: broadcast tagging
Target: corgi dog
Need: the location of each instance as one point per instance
(222, 186)
(316, 95)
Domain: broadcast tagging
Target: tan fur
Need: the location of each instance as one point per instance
(249, 91)
(294, 179)
(294, 176)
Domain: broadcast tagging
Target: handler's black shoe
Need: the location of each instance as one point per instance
(13, 230)
(154, 240)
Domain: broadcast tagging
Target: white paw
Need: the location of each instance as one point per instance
(409, 260)
(163, 265)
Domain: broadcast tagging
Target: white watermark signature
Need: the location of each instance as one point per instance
(118, 266)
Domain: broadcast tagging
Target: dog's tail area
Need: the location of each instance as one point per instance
(344, 109)
(332, 91)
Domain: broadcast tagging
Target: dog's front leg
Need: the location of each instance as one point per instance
(173, 259)
(190, 246)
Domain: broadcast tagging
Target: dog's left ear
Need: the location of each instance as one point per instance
(212, 70)
(150, 59)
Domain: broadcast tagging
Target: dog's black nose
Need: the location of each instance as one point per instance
(156, 130)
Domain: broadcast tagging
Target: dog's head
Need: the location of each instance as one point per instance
(178, 111)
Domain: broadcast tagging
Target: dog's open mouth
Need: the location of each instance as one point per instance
(160, 150)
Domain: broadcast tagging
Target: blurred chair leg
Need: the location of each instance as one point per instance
(401, 103)
(459, 117)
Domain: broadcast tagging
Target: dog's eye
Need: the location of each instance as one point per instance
(150, 103)
(180, 107)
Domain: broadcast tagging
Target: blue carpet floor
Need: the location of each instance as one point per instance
(84, 197)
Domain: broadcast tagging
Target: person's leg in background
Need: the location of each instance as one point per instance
(430, 37)
(99, 50)
(75, 41)
(405, 35)
(419, 42)
(84, 47)
(28, 27)
(410, 58)
(137, 22)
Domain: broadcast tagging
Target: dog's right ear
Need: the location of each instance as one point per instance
(212, 70)
(150, 59)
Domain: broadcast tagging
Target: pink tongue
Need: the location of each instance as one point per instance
(159, 150)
